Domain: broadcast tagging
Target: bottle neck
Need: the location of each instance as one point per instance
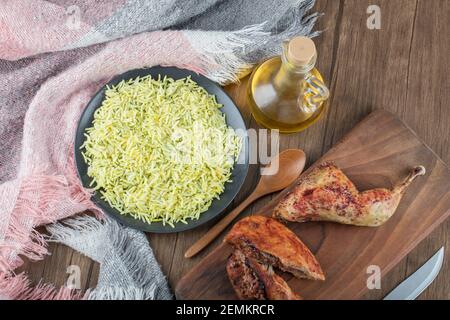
(290, 76)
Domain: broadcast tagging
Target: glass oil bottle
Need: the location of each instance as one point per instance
(288, 93)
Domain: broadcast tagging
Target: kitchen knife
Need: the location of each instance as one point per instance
(416, 283)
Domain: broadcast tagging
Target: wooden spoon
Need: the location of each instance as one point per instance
(278, 175)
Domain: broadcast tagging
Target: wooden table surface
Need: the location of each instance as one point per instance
(403, 67)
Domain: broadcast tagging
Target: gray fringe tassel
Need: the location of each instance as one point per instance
(128, 268)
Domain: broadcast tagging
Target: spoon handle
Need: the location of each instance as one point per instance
(220, 226)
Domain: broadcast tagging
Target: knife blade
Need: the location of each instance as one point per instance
(416, 283)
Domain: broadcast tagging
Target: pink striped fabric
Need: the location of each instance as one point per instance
(46, 188)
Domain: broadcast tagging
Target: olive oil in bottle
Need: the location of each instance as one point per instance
(288, 93)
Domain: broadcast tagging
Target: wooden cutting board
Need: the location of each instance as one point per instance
(378, 152)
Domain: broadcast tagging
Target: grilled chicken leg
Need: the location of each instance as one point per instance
(327, 194)
(270, 242)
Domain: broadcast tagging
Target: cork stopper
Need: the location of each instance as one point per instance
(301, 50)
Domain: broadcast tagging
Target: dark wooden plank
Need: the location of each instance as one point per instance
(371, 73)
(427, 111)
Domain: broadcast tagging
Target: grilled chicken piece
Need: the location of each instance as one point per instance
(327, 194)
(270, 242)
(252, 280)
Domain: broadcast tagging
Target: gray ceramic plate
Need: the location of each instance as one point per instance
(233, 118)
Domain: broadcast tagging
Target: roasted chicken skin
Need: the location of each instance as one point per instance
(252, 280)
(327, 194)
(270, 242)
